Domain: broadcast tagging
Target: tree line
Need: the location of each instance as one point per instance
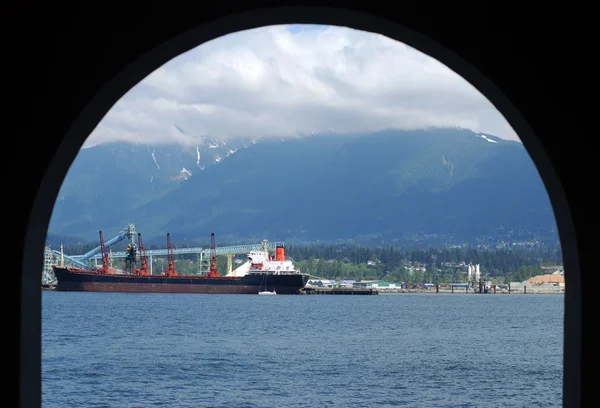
(423, 265)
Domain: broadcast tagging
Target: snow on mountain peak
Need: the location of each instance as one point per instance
(154, 158)
(487, 138)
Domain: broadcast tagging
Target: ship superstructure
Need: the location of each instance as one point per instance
(263, 262)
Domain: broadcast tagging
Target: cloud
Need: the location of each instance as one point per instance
(290, 80)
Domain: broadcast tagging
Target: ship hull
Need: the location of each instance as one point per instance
(85, 281)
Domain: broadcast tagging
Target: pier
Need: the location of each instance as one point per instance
(339, 291)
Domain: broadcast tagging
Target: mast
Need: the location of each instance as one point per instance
(171, 257)
(143, 256)
(104, 254)
(213, 257)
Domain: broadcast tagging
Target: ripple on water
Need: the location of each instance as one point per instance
(302, 351)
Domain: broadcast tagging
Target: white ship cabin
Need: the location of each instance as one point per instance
(261, 261)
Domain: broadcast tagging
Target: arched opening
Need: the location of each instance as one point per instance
(129, 77)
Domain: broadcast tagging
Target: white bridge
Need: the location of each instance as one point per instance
(203, 254)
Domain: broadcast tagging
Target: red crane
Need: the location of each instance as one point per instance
(170, 271)
(144, 271)
(105, 267)
(213, 257)
(104, 254)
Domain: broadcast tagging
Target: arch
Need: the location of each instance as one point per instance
(30, 333)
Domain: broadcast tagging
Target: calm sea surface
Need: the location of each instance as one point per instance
(397, 350)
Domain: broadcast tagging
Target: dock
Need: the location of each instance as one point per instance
(339, 291)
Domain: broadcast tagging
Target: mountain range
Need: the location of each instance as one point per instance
(435, 186)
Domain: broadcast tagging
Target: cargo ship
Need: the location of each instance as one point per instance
(260, 270)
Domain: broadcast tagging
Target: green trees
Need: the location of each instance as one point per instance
(389, 263)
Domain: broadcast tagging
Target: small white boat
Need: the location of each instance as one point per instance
(264, 290)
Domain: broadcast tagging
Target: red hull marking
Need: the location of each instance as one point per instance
(156, 288)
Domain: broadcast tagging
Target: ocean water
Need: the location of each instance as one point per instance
(396, 350)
